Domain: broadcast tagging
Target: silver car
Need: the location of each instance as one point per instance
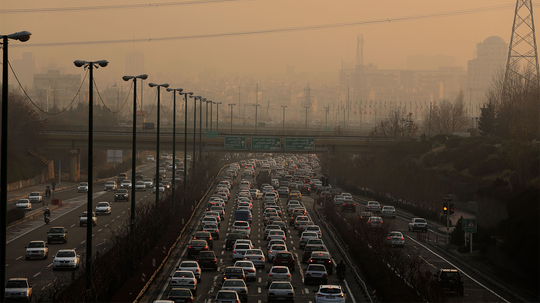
(249, 269)
(278, 291)
(66, 258)
(278, 273)
(192, 266)
(227, 296)
(395, 238)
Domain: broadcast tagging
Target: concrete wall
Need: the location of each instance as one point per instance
(46, 174)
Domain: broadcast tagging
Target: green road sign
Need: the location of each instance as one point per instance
(211, 134)
(327, 128)
(235, 143)
(266, 143)
(300, 144)
(470, 225)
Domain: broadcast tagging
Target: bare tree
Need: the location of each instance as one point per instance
(447, 117)
(398, 125)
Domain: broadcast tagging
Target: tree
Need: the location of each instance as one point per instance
(398, 125)
(487, 122)
(447, 117)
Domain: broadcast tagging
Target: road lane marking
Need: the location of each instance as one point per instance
(37, 274)
(18, 258)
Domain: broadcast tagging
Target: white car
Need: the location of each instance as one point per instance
(275, 242)
(239, 250)
(150, 158)
(192, 266)
(103, 208)
(83, 219)
(125, 184)
(249, 269)
(280, 290)
(37, 249)
(18, 289)
(184, 279)
(388, 211)
(256, 256)
(161, 188)
(241, 225)
(213, 229)
(276, 234)
(110, 185)
(330, 294)
(209, 220)
(278, 273)
(24, 204)
(306, 236)
(83, 187)
(418, 224)
(66, 258)
(373, 206)
(149, 183)
(272, 252)
(395, 238)
(140, 185)
(35, 197)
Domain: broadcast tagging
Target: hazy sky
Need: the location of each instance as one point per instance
(387, 44)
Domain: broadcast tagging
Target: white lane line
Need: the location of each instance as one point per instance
(37, 274)
(83, 242)
(49, 265)
(306, 291)
(259, 290)
(18, 258)
(453, 265)
(72, 225)
(100, 229)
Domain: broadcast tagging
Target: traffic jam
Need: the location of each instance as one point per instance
(257, 240)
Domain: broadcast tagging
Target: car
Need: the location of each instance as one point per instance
(220, 210)
(348, 205)
(66, 258)
(274, 249)
(140, 186)
(249, 269)
(121, 195)
(103, 208)
(364, 216)
(237, 285)
(305, 189)
(184, 279)
(24, 204)
(82, 187)
(276, 234)
(315, 242)
(121, 177)
(213, 229)
(227, 296)
(18, 289)
(231, 239)
(300, 219)
(395, 238)
(150, 158)
(161, 188)
(166, 183)
(308, 249)
(239, 249)
(275, 242)
(388, 211)
(139, 176)
(57, 234)
(35, 197)
(316, 273)
(418, 224)
(207, 259)
(241, 225)
(232, 272)
(281, 225)
(306, 236)
(149, 183)
(110, 185)
(330, 294)
(192, 266)
(195, 246)
(256, 256)
(322, 257)
(178, 295)
(204, 235)
(450, 280)
(209, 220)
(36, 250)
(285, 258)
(83, 219)
(278, 273)
(280, 291)
(373, 206)
(375, 222)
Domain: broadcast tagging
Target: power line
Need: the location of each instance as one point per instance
(106, 7)
(284, 30)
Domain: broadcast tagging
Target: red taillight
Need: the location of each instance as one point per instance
(269, 275)
(190, 300)
(190, 247)
(308, 274)
(247, 228)
(206, 247)
(318, 295)
(191, 282)
(388, 238)
(197, 270)
(325, 275)
(288, 275)
(402, 238)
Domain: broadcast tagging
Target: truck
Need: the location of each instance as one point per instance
(242, 215)
(264, 176)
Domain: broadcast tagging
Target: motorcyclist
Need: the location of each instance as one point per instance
(47, 212)
(340, 268)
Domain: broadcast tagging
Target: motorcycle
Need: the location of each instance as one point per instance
(47, 219)
(341, 276)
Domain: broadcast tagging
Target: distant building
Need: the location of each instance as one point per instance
(491, 56)
(24, 69)
(55, 89)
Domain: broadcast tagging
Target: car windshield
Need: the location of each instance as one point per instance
(180, 292)
(34, 194)
(122, 191)
(280, 270)
(233, 270)
(63, 254)
(242, 246)
(330, 290)
(183, 274)
(313, 267)
(230, 283)
(16, 284)
(206, 254)
(284, 256)
(280, 286)
(189, 264)
(36, 244)
(243, 264)
(102, 204)
(57, 230)
(226, 295)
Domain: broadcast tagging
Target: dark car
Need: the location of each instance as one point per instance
(348, 206)
(305, 189)
(57, 234)
(207, 259)
(231, 238)
(308, 249)
(195, 246)
(204, 235)
(121, 195)
(285, 258)
(322, 257)
(233, 272)
(450, 280)
(180, 295)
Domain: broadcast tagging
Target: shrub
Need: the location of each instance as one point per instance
(469, 158)
(453, 142)
(487, 167)
(494, 140)
(489, 148)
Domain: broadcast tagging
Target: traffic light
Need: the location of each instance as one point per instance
(451, 208)
(445, 208)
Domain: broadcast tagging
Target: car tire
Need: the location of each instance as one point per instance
(27, 258)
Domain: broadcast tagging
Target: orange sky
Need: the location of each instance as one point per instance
(387, 44)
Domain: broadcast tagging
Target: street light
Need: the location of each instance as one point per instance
(231, 105)
(185, 143)
(23, 37)
(90, 66)
(217, 116)
(306, 107)
(200, 126)
(134, 150)
(256, 106)
(174, 138)
(156, 182)
(194, 133)
(211, 113)
(283, 122)
(326, 110)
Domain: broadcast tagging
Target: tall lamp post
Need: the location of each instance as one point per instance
(134, 150)
(283, 122)
(23, 37)
(185, 143)
(90, 66)
(200, 126)
(256, 106)
(306, 107)
(326, 109)
(156, 182)
(211, 113)
(194, 134)
(217, 116)
(174, 139)
(231, 105)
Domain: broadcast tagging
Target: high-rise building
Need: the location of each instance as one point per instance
(489, 63)
(24, 69)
